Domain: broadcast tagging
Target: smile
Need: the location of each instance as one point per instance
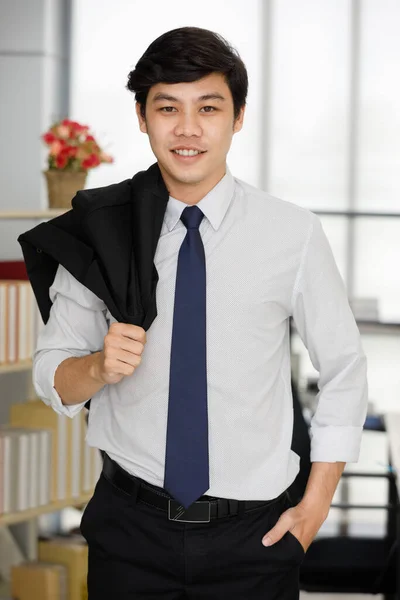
(184, 152)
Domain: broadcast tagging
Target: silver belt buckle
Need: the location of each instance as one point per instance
(198, 512)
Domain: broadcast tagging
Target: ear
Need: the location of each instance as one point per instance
(238, 124)
(141, 119)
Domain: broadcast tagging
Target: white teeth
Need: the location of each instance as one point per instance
(187, 152)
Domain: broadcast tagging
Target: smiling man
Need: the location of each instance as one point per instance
(194, 412)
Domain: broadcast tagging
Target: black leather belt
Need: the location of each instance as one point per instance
(202, 511)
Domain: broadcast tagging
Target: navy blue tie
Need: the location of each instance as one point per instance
(186, 458)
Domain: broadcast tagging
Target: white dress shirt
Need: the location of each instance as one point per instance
(266, 260)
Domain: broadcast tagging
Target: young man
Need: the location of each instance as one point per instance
(194, 412)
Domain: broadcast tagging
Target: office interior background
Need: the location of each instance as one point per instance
(322, 130)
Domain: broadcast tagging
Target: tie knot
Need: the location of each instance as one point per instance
(191, 217)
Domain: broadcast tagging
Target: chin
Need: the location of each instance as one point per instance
(187, 175)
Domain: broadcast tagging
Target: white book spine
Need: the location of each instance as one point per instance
(33, 323)
(76, 456)
(45, 467)
(12, 323)
(3, 322)
(34, 439)
(22, 320)
(23, 471)
(7, 494)
(62, 457)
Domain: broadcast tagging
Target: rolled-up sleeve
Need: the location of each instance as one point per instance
(326, 324)
(76, 327)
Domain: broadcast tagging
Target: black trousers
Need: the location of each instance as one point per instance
(136, 552)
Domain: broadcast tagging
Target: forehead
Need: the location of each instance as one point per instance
(211, 84)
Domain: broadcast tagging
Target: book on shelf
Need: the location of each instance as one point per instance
(72, 552)
(74, 467)
(16, 458)
(36, 415)
(20, 321)
(13, 269)
(24, 468)
(36, 580)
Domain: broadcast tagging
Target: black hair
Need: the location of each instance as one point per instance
(189, 54)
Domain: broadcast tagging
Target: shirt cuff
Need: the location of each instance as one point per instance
(47, 364)
(335, 444)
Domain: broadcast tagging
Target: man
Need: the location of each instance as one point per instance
(195, 414)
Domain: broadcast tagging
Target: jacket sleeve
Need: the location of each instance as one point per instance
(76, 327)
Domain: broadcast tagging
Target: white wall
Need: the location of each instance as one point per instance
(108, 40)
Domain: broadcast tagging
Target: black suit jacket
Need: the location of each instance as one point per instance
(107, 241)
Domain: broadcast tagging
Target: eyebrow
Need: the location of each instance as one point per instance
(211, 96)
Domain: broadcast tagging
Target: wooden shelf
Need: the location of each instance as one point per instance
(33, 214)
(26, 515)
(25, 365)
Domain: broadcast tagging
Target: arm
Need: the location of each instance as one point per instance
(75, 380)
(77, 354)
(321, 487)
(328, 329)
(305, 519)
(78, 379)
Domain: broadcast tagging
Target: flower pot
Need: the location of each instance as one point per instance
(63, 185)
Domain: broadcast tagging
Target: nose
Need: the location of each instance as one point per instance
(188, 125)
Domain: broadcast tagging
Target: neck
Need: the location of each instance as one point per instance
(194, 192)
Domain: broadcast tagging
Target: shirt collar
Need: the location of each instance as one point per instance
(214, 205)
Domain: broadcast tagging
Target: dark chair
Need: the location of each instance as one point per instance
(347, 564)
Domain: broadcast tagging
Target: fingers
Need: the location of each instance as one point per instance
(283, 525)
(118, 367)
(113, 356)
(132, 332)
(119, 342)
(122, 352)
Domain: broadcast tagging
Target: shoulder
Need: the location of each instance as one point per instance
(109, 195)
(264, 205)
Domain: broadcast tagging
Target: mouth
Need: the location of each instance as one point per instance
(187, 154)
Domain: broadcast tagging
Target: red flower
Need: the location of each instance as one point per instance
(90, 138)
(61, 160)
(49, 138)
(68, 151)
(90, 162)
(72, 151)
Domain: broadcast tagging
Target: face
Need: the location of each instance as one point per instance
(190, 128)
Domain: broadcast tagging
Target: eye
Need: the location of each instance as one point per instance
(209, 109)
(167, 109)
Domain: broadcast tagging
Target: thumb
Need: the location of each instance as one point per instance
(278, 531)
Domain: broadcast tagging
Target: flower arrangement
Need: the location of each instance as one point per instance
(73, 148)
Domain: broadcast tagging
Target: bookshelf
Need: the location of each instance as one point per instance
(21, 528)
